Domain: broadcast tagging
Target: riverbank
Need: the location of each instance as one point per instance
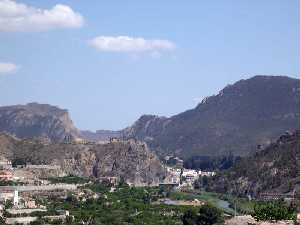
(212, 198)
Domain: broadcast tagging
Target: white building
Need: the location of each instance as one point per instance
(190, 175)
(208, 174)
(16, 198)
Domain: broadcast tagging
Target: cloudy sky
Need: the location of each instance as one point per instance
(109, 62)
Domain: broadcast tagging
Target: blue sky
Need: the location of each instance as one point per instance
(214, 43)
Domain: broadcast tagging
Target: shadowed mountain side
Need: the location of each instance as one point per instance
(274, 169)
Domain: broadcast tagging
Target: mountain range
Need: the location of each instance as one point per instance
(248, 114)
(239, 120)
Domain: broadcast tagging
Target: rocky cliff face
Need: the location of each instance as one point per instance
(37, 120)
(130, 160)
(239, 118)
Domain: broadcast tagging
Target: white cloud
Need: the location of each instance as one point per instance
(6, 68)
(15, 17)
(131, 44)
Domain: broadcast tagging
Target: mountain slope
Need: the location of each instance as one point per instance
(242, 116)
(274, 169)
(37, 120)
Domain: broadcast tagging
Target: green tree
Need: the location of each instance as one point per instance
(2, 221)
(190, 217)
(204, 181)
(207, 215)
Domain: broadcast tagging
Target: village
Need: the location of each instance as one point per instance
(25, 190)
(22, 194)
(183, 178)
(28, 192)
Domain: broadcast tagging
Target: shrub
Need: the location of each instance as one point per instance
(277, 210)
(190, 217)
(207, 215)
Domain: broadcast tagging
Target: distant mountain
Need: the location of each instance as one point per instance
(242, 116)
(130, 160)
(100, 135)
(37, 121)
(274, 169)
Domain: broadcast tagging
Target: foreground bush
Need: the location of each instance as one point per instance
(273, 211)
(207, 215)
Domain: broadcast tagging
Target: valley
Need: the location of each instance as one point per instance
(231, 154)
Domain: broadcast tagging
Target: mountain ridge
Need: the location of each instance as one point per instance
(241, 116)
(249, 113)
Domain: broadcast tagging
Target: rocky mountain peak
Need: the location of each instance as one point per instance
(37, 120)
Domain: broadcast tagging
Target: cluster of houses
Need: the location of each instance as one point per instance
(6, 173)
(182, 177)
(22, 194)
(17, 203)
(17, 194)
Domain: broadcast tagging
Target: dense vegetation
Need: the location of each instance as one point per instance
(9, 183)
(207, 215)
(277, 210)
(124, 206)
(69, 180)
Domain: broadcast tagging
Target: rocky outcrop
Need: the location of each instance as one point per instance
(239, 118)
(37, 121)
(128, 160)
